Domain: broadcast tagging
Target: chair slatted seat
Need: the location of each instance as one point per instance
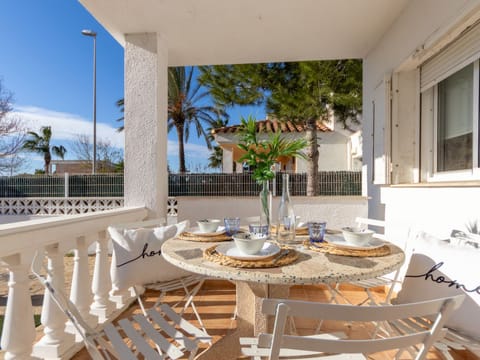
(325, 346)
(439, 268)
(160, 333)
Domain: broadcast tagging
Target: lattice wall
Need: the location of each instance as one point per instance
(172, 206)
(57, 206)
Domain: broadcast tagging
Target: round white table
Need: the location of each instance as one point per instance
(253, 285)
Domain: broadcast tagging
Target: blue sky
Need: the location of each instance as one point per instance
(47, 63)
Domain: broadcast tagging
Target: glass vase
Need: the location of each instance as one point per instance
(286, 216)
(265, 204)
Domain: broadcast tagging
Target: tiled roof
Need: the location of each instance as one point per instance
(272, 126)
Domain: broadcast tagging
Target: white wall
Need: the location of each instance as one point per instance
(8, 219)
(435, 210)
(337, 211)
(420, 25)
(423, 28)
(332, 157)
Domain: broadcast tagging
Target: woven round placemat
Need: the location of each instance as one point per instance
(202, 238)
(329, 248)
(286, 256)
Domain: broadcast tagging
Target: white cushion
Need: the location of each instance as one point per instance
(137, 258)
(440, 268)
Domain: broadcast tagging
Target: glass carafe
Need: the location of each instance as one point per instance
(286, 217)
(265, 205)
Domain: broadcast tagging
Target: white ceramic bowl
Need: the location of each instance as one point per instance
(208, 225)
(357, 236)
(248, 244)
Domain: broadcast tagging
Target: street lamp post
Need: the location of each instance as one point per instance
(93, 34)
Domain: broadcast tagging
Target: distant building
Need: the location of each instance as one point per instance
(60, 167)
(338, 150)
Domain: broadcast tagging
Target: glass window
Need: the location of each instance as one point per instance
(455, 121)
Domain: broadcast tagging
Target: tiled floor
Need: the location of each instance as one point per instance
(216, 303)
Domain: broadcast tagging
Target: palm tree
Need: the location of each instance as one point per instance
(216, 155)
(41, 144)
(121, 106)
(187, 107)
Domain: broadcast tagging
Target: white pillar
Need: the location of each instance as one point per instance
(18, 327)
(55, 340)
(227, 161)
(146, 101)
(80, 292)
(102, 307)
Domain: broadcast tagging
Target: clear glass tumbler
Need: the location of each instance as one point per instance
(232, 225)
(316, 231)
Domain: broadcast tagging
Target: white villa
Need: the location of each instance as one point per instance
(338, 150)
(421, 146)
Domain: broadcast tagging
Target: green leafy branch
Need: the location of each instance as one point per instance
(260, 154)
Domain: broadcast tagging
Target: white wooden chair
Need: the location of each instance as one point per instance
(387, 281)
(137, 262)
(160, 334)
(440, 268)
(324, 346)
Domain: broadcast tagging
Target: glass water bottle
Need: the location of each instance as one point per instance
(286, 216)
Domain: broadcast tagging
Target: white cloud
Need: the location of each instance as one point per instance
(66, 126)
(191, 150)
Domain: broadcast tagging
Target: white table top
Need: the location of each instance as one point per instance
(311, 268)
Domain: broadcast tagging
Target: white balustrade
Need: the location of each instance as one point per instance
(55, 340)
(18, 326)
(80, 292)
(57, 236)
(101, 282)
(119, 297)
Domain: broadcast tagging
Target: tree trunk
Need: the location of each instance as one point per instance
(47, 158)
(181, 150)
(312, 156)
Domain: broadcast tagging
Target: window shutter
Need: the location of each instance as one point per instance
(459, 53)
(381, 135)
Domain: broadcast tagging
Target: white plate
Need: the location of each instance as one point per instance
(196, 231)
(228, 249)
(340, 242)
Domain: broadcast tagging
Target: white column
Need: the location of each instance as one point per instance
(18, 326)
(239, 168)
(146, 100)
(101, 282)
(55, 340)
(227, 161)
(80, 292)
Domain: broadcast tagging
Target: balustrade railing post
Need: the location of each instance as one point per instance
(101, 282)
(55, 341)
(120, 297)
(80, 292)
(18, 327)
(66, 188)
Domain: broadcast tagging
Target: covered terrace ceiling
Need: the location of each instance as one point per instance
(204, 32)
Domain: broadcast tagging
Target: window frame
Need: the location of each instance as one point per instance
(473, 173)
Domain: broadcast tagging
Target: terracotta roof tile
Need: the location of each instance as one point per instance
(272, 126)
